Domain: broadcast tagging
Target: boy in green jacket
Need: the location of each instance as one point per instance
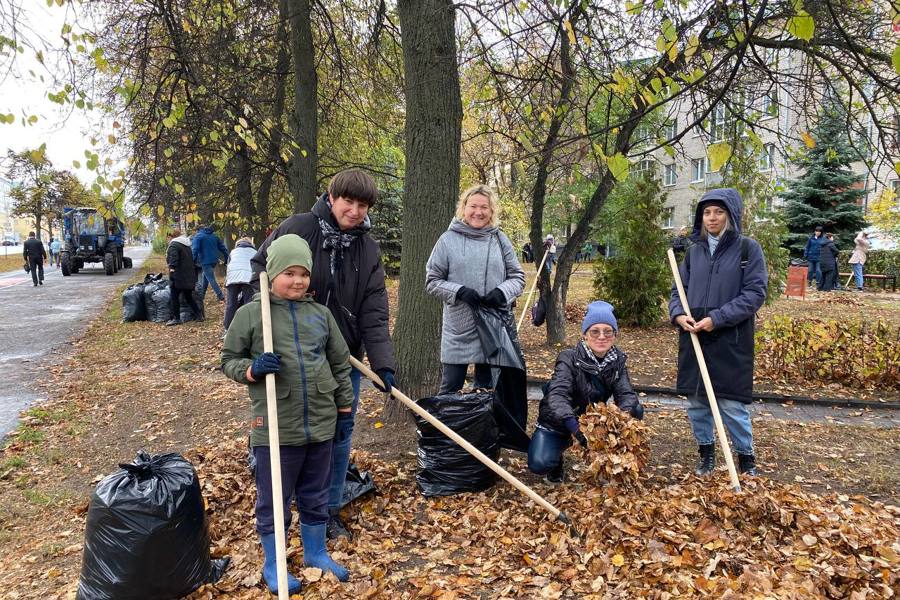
(313, 389)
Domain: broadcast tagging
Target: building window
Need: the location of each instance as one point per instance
(670, 129)
(895, 187)
(770, 104)
(698, 169)
(717, 129)
(646, 166)
(767, 158)
(668, 217)
(670, 176)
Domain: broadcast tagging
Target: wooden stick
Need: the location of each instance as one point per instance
(274, 443)
(707, 382)
(512, 480)
(531, 291)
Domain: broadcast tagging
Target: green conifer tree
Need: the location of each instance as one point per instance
(828, 192)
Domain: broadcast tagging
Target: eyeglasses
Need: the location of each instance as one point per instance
(595, 334)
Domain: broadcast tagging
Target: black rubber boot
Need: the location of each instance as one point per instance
(707, 461)
(558, 473)
(747, 464)
(335, 527)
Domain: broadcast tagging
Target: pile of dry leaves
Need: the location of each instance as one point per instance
(618, 449)
(695, 539)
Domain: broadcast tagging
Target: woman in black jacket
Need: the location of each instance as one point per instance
(591, 372)
(828, 254)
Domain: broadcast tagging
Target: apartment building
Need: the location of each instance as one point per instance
(779, 120)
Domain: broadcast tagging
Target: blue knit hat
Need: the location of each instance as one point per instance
(599, 312)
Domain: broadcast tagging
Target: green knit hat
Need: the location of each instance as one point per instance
(287, 251)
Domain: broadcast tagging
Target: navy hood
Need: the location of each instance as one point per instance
(207, 230)
(733, 204)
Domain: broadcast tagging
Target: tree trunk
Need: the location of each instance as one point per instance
(555, 297)
(264, 190)
(305, 161)
(431, 183)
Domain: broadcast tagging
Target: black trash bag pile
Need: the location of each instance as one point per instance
(133, 306)
(444, 467)
(147, 534)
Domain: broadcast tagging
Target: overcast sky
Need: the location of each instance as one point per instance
(65, 129)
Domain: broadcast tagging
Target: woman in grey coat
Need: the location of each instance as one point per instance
(473, 264)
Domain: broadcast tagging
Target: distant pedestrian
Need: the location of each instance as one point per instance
(182, 277)
(206, 249)
(828, 262)
(550, 250)
(55, 250)
(811, 253)
(527, 253)
(858, 258)
(34, 254)
(238, 290)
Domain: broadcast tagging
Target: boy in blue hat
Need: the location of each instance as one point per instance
(591, 372)
(312, 380)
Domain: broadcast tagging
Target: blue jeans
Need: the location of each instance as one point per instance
(813, 271)
(340, 451)
(546, 450)
(735, 417)
(858, 274)
(209, 278)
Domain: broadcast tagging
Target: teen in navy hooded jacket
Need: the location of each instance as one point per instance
(723, 295)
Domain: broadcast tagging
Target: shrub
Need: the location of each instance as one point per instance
(160, 244)
(857, 354)
(637, 279)
(884, 262)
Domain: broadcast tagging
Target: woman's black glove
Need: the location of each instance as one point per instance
(469, 296)
(494, 299)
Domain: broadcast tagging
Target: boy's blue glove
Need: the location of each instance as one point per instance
(387, 377)
(265, 363)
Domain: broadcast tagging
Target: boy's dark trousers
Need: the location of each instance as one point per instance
(37, 269)
(175, 303)
(305, 474)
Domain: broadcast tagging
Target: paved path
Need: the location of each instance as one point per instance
(875, 417)
(35, 321)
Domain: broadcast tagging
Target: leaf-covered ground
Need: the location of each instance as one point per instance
(140, 385)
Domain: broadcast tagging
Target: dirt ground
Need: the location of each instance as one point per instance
(137, 386)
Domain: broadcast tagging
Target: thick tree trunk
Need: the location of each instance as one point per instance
(305, 161)
(431, 184)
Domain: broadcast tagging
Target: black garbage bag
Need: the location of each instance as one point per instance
(147, 535)
(356, 485)
(133, 306)
(186, 313)
(160, 310)
(156, 312)
(500, 344)
(444, 467)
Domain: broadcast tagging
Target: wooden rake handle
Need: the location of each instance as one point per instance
(274, 443)
(531, 291)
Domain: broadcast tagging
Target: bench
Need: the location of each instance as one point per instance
(884, 279)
